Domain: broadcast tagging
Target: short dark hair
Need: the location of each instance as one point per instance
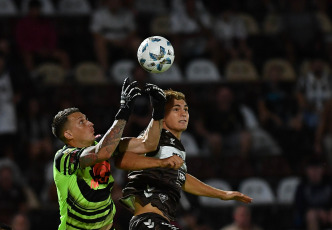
(60, 120)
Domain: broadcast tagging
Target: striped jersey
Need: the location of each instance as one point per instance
(159, 186)
(84, 194)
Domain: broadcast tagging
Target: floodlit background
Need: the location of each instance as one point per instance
(256, 75)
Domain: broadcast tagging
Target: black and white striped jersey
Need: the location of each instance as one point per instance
(159, 186)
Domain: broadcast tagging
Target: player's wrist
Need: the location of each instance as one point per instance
(158, 112)
(123, 114)
(160, 163)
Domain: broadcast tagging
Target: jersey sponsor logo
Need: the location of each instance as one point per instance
(148, 191)
(101, 172)
(149, 223)
(181, 178)
(171, 140)
(163, 197)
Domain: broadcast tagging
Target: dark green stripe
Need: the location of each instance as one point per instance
(81, 212)
(84, 208)
(81, 228)
(65, 165)
(58, 160)
(94, 195)
(88, 221)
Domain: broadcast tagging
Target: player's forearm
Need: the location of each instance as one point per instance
(111, 139)
(132, 161)
(198, 188)
(105, 148)
(152, 135)
(148, 142)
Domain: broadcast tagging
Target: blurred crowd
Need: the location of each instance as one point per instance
(257, 79)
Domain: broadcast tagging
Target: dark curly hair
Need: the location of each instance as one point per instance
(60, 120)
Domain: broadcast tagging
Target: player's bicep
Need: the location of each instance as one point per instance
(133, 144)
(67, 161)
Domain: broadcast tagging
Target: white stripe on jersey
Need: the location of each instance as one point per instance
(168, 151)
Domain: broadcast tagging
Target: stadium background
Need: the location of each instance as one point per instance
(269, 51)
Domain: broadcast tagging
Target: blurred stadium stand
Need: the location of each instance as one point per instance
(269, 178)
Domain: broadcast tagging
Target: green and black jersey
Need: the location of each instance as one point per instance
(84, 194)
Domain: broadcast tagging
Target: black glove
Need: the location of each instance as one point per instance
(128, 94)
(158, 100)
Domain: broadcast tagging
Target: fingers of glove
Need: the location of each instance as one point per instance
(154, 91)
(148, 87)
(125, 84)
(130, 86)
(159, 93)
(134, 92)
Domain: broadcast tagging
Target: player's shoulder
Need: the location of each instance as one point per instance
(66, 159)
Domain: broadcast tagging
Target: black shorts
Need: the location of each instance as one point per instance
(150, 220)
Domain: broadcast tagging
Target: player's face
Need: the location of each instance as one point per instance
(80, 129)
(176, 116)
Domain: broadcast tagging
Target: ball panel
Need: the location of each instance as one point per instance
(155, 54)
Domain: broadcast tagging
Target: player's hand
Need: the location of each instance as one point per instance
(129, 92)
(158, 100)
(173, 162)
(234, 195)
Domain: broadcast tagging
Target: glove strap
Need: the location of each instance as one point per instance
(123, 114)
(158, 112)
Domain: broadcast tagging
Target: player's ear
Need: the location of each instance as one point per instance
(68, 134)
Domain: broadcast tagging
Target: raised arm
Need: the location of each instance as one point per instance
(198, 188)
(105, 148)
(149, 140)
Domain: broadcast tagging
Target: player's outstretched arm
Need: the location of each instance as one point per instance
(105, 148)
(145, 143)
(198, 188)
(149, 141)
(133, 161)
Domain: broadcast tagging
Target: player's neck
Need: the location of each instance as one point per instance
(177, 134)
(77, 144)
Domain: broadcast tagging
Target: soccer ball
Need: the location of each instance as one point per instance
(155, 54)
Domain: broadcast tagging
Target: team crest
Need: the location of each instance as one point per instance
(163, 197)
(172, 141)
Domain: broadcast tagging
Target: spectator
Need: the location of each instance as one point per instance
(190, 221)
(231, 36)
(12, 195)
(313, 198)
(301, 31)
(20, 222)
(242, 220)
(190, 27)
(223, 126)
(114, 31)
(313, 90)
(36, 38)
(8, 122)
(276, 105)
(323, 139)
